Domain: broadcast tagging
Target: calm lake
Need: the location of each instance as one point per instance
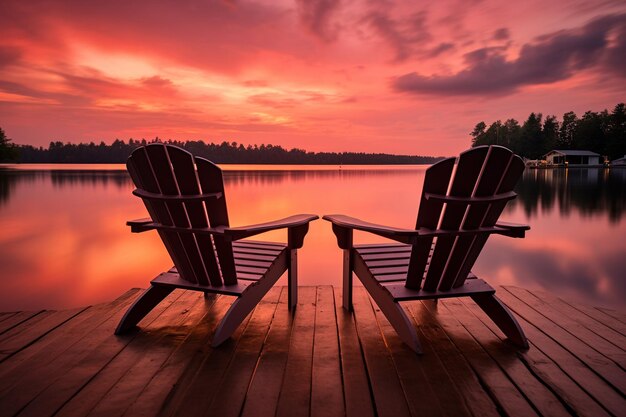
(64, 243)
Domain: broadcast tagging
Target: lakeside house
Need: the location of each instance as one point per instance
(572, 158)
(620, 162)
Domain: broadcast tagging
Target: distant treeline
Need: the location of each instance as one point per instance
(223, 153)
(603, 133)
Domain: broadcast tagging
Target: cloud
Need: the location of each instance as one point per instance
(551, 58)
(9, 55)
(317, 16)
(501, 34)
(405, 35)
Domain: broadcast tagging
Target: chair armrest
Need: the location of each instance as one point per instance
(513, 229)
(143, 225)
(343, 226)
(298, 226)
(140, 225)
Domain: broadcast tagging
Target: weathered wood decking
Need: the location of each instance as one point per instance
(320, 361)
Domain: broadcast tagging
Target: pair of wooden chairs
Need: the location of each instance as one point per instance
(459, 209)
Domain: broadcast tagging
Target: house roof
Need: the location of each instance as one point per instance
(570, 152)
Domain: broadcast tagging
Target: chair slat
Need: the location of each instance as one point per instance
(513, 173)
(436, 181)
(495, 167)
(185, 174)
(157, 155)
(211, 181)
(257, 244)
(142, 175)
(467, 172)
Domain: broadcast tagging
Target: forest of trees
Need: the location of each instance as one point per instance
(224, 153)
(603, 133)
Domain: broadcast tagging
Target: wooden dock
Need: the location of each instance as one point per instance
(320, 361)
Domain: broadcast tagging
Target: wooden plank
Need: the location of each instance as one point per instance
(211, 181)
(218, 385)
(420, 377)
(194, 390)
(511, 177)
(117, 385)
(357, 395)
(604, 367)
(104, 367)
(388, 263)
(255, 251)
(385, 256)
(326, 384)
(493, 172)
(190, 352)
(260, 245)
(21, 337)
(383, 249)
(506, 357)
(476, 398)
(400, 292)
(4, 316)
(389, 398)
(162, 171)
(501, 389)
(252, 257)
(231, 389)
(613, 313)
(552, 346)
(54, 344)
(552, 376)
(265, 387)
(185, 177)
(600, 317)
(18, 319)
(56, 381)
(140, 170)
(462, 185)
(568, 323)
(436, 180)
(578, 313)
(294, 400)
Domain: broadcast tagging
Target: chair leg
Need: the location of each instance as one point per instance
(142, 306)
(502, 317)
(347, 280)
(292, 279)
(241, 307)
(394, 313)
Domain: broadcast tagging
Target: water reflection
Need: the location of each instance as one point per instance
(64, 242)
(599, 191)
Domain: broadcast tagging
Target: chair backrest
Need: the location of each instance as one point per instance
(165, 170)
(484, 171)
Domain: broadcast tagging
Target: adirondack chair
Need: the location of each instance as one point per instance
(188, 210)
(458, 211)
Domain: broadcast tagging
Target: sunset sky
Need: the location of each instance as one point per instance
(406, 77)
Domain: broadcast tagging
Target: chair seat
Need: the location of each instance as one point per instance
(252, 261)
(389, 263)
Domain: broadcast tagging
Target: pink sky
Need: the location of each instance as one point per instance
(374, 76)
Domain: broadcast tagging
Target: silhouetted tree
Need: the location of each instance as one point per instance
(8, 151)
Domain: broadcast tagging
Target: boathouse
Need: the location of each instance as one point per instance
(572, 158)
(619, 161)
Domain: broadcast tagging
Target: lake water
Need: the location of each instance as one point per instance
(64, 243)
